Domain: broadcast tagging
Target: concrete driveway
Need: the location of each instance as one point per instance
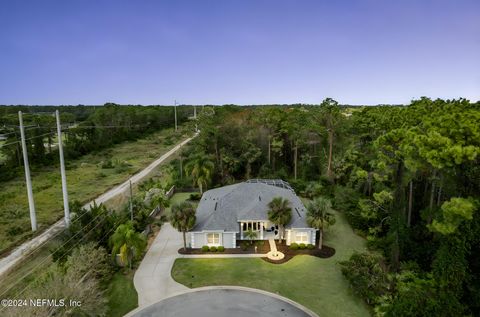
(152, 279)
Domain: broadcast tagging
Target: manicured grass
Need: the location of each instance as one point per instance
(86, 180)
(121, 294)
(313, 282)
(176, 199)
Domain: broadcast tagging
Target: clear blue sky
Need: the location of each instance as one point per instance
(243, 52)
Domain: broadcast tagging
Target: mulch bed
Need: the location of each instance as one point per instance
(264, 247)
(325, 252)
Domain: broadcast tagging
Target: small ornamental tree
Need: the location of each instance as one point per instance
(127, 242)
(250, 235)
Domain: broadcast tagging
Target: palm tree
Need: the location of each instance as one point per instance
(160, 201)
(200, 168)
(320, 216)
(250, 235)
(127, 242)
(280, 213)
(183, 218)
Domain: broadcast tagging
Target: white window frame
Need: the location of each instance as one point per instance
(215, 236)
(301, 237)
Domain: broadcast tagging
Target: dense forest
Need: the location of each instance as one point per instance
(406, 177)
(85, 128)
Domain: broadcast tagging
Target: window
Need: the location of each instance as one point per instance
(213, 238)
(301, 237)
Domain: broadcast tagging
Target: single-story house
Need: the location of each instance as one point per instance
(225, 213)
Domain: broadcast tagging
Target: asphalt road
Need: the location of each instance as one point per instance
(224, 301)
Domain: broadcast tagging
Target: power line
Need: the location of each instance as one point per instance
(7, 144)
(38, 247)
(5, 134)
(41, 135)
(70, 249)
(45, 258)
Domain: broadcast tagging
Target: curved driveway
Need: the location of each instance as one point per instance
(152, 279)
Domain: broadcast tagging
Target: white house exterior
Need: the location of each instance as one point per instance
(225, 213)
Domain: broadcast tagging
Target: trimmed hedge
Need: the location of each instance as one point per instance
(205, 248)
(213, 249)
(221, 248)
(302, 246)
(294, 246)
(310, 246)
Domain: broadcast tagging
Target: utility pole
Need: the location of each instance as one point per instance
(181, 167)
(66, 208)
(31, 203)
(175, 108)
(131, 203)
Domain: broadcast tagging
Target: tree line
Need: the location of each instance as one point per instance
(85, 130)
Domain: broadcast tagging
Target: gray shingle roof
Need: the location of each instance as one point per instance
(222, 208)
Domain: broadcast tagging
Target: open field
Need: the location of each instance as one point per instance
(2, 156)
(316, 283)
(87, 178)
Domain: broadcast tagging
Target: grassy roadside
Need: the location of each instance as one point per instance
(313, 282)
(86, 180)
(121, 294)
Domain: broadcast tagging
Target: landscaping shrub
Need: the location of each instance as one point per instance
(244, 246)
(221, 248)
(213, 249)
(302, 246)
(195, 196)
(310, 246)
(205, 248)
(294, 246)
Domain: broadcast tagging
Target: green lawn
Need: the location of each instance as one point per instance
(313, 282)
(176, 199)
(86, 180)
(121, 294)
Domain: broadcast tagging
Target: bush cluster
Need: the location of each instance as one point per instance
(294, 246)
(302, 246)
(195, 196)
(206, 248)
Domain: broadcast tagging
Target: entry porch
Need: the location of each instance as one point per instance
(264, 229)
